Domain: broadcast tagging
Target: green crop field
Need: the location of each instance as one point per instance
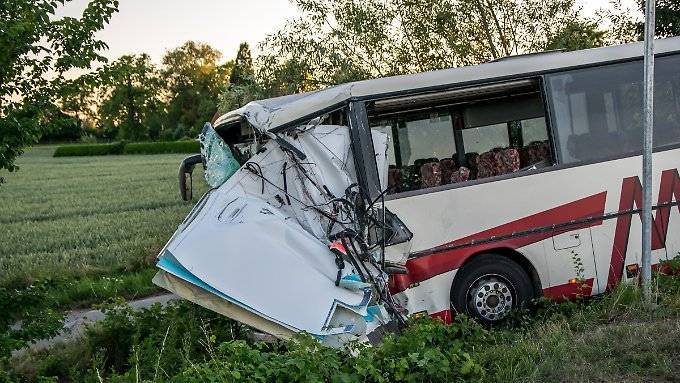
(92, 221)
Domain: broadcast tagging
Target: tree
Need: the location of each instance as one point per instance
(667, 19)
(195, 80)
(243, 86)
(78, 100)
(59, 126)
(130, 90)
(242, 72)
(579, 34)
(36, 49)
(344, 40)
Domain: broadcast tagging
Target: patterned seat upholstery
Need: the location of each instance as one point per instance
(460, 175)
(431, 174)
(508, 161)
(534, 153)
(448, 166)
(486, 165)
(497, 162)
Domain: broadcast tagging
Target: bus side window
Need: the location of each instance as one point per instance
(480, 135)
(420, 147)
(667, 102)
(598, 111)
(502, 136)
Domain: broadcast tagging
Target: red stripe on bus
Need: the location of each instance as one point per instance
(570, 291)
(631, 197)
(426, 267)
(444, 316)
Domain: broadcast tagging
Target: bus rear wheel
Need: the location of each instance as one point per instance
(489, 287)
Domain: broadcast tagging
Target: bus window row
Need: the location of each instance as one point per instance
(477, 138)
(598, 111)
(458, 137)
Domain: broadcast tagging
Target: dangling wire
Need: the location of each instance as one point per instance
(258, 171)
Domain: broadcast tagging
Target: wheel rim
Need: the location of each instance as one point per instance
(491, 297)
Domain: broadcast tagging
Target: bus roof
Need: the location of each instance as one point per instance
(276, 113)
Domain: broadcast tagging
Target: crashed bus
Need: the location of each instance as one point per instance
(344, 211)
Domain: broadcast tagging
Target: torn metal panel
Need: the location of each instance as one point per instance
(258, 246)
(219, 305)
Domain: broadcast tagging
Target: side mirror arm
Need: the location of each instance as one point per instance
(186, 168)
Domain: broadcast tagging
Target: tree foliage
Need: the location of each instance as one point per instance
(242, 72)
(130, 90)
(36, 49)
(338, 41)
(243, 85)
(667, 19)
(578, 34)
(194, 81)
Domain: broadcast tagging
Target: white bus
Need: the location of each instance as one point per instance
(511, 180)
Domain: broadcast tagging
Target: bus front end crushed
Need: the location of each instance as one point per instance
(286, 242)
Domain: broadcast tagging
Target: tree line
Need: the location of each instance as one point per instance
(134, 99)
(330, 42)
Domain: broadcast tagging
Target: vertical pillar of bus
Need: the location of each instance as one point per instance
(648, 113)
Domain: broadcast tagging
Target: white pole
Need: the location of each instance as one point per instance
(648, 114)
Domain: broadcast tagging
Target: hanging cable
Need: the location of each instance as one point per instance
(250, 165)
(285, 182)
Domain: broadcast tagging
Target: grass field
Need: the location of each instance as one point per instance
(91, 227)
(93, 224)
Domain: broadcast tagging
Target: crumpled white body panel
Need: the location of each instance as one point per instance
(241, 244)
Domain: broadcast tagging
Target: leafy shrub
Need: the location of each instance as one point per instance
(427, 351)
(153, 344)
(33, 308)
(162, 147)
(122, 147)
(89, 150)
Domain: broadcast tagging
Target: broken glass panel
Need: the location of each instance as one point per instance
(220, 163)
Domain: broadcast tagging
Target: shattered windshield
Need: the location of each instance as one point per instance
(220, 162)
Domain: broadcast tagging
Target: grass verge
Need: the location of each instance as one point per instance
(614, 337)
(87, 227)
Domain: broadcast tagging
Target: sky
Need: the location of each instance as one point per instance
(156, 26)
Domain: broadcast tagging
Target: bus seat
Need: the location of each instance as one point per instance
(577, 146)
(422, 161)
(448, 166)
(486, 165)
(431, 174)
(597, 144)
(535, 152)
(497, 162)
(508, 161)
(460, 175)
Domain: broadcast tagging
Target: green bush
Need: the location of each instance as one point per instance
(183, 342)
(162, 147)
(187, 147)
(427, 351)
(89, 150)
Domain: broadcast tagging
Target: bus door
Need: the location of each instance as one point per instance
(571, 264)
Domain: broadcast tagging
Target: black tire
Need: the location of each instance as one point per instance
(489, 287)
